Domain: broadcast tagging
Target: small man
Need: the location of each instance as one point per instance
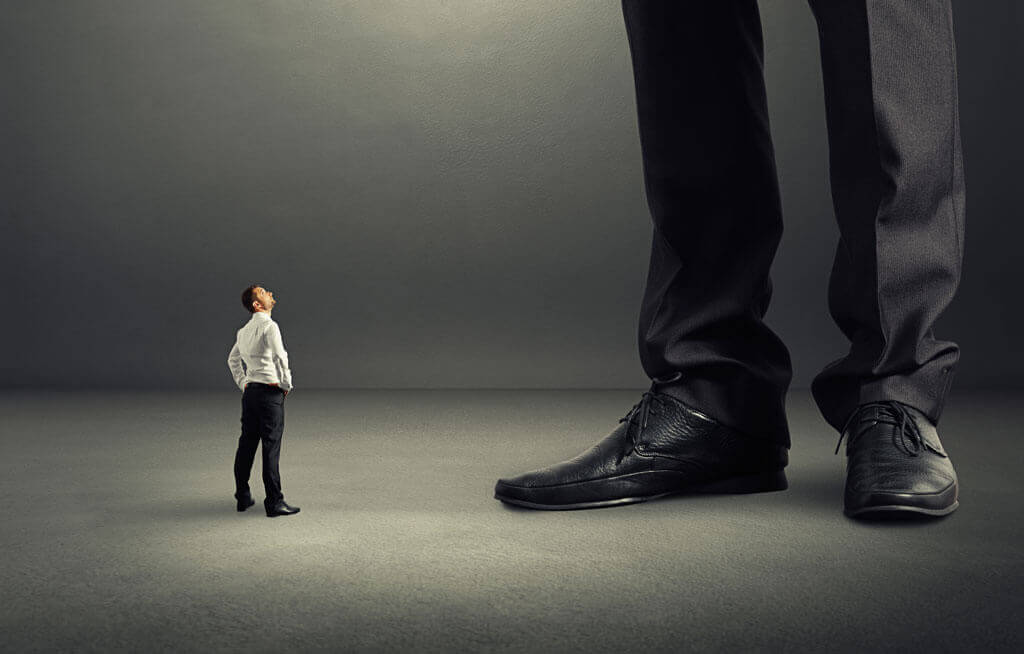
(259, 365)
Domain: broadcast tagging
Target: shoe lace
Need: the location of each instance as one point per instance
(648, 405)
(906, 437)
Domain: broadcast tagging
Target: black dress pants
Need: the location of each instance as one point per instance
(709, 169)
(262, 421)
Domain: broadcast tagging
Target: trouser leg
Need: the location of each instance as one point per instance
(898, 190)
(709, 172)
(247, 444)
(272, 432)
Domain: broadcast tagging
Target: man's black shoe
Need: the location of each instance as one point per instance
(280, 508)
(662, 447)
(895, 462)
(244, 502)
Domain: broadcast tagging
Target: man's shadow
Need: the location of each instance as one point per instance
(196, 508)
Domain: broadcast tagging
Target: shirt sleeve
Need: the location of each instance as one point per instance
(280, 356)
(237, 366)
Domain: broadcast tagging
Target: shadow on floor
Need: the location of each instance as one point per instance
(198, 508)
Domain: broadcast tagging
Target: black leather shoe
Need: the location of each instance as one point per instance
(244, 502)
(662, 447)
(895, 462)
(280, 508)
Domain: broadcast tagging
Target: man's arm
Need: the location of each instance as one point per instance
(280, 357)
(237, 366)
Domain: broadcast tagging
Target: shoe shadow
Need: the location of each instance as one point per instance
(816, 490)
(889, 518)
(198, 508)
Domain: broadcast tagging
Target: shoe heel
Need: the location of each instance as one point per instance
(762, 482)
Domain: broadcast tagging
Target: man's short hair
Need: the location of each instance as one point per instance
(249, 296)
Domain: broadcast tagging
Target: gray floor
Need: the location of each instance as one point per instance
(120, 533)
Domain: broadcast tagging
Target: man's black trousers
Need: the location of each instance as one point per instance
(262, 422)
(897, 185)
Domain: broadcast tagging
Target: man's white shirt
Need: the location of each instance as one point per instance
(259, 355)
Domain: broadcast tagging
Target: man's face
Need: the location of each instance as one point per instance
(265, 298)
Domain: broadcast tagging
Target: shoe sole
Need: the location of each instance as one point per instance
(245, 508)
(891, 509)
(277, 515)
(763, 482)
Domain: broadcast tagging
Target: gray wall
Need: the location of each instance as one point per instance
(441, 194)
